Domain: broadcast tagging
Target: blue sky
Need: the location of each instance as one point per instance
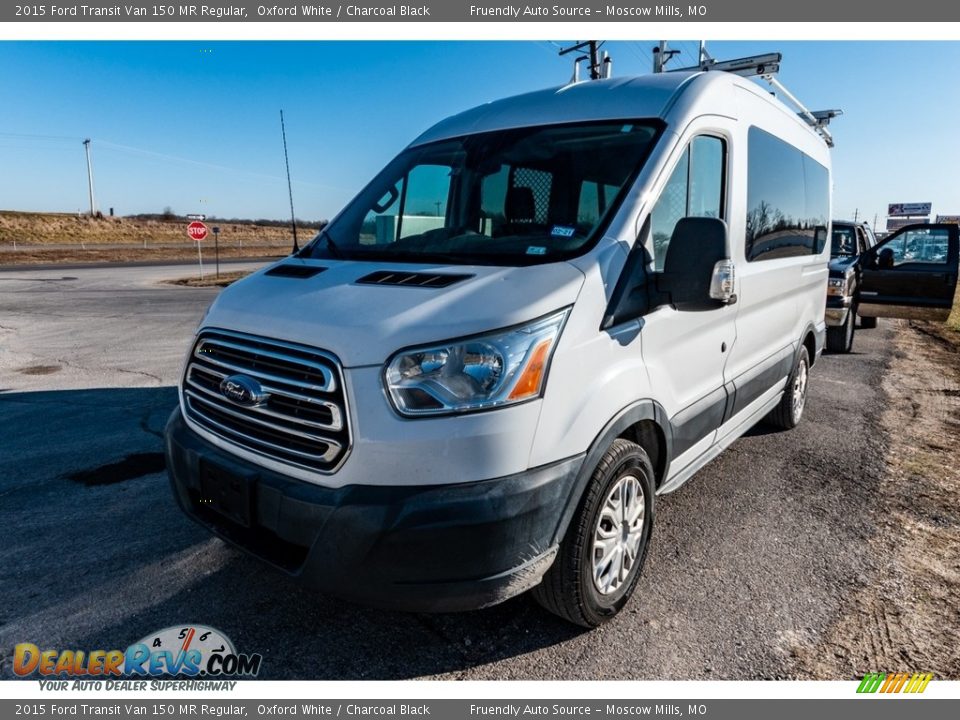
(195, 126)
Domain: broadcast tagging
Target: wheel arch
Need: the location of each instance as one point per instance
(813, 345)
(643, 422)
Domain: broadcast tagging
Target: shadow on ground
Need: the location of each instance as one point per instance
(101, 556)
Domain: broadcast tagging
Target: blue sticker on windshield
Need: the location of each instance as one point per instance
(536, 250)
(562, 231)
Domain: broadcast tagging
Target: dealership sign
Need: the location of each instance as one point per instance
(897, 223)
(907, 209)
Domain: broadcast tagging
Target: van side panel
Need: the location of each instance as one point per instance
(778, 299)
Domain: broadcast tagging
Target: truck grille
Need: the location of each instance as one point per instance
(299, 415)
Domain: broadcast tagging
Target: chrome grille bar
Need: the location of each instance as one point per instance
(329, 384)
(301, 414)
(335, 424)
(265, 443)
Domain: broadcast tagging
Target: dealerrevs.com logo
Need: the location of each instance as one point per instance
(184, 651)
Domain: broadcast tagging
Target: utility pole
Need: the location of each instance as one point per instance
(93, 207)
(593, 53)
(661, 56)
(856, 214)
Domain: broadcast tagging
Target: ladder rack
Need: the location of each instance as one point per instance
(766, 67)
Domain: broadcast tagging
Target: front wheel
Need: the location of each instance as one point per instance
(787, 414)
(601, 557)
(840, 339)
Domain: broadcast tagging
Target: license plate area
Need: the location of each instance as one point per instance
(226, 492)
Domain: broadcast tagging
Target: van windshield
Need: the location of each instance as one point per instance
(510, 197)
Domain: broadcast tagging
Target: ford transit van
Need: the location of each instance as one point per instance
(544, 313)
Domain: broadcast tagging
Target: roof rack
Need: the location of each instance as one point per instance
(766, 67)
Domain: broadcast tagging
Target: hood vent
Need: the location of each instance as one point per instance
(410, 279)
(295, 271)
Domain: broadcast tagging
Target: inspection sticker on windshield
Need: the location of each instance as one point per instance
(536, 250)
(562, 231)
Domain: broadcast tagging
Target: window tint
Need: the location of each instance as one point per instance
(695, 189)
(706, 177)
(922, 245)
(788, 197)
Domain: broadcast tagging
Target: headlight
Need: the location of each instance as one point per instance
(493, 370)
(837, 287)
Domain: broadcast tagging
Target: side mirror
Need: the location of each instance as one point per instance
(697, 271)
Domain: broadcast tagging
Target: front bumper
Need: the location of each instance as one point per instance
(837, 309)
(430, 548)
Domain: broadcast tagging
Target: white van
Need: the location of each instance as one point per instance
(542, 314)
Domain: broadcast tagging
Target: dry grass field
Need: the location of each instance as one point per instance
(70, 238)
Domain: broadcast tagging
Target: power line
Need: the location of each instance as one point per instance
(689, 53)
(201, 163)
(25, 136)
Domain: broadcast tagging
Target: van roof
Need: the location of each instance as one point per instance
(644, 96)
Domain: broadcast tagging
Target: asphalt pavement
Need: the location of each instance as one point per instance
(750, 559)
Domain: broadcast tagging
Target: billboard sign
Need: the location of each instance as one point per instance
(908, 209)
(897, 223)
(949, 219)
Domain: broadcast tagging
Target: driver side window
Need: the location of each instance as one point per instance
(695, 189)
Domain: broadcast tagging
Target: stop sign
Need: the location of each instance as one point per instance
(197, 230)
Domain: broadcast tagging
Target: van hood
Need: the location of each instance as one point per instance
(364, 324)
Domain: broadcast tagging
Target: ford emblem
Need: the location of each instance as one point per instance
(243, 390)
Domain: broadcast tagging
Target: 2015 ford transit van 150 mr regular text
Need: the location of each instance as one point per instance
(542, 314)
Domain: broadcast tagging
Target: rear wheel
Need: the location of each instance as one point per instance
(603, 552)
(787, 414)
(840, 339)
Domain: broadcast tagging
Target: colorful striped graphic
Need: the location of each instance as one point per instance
(894, 682)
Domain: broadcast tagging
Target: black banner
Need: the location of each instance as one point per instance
(457, 11)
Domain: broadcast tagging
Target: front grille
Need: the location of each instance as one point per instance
(302, 419)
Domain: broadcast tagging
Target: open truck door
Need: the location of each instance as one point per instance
(912, 274)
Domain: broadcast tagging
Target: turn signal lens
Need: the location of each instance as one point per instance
(530, 380)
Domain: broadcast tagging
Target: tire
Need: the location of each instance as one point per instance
(840, 339)
(576, 587)
(868, 323)
(786, 415)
